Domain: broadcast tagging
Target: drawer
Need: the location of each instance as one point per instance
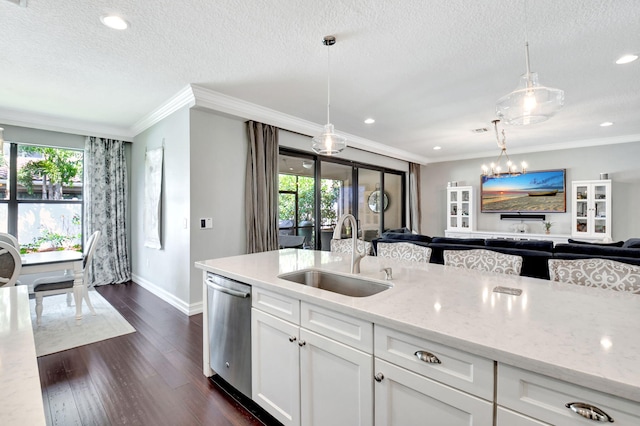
(345, 329)
(283, 307)
(545, 398)
(506, 417)
(459, 369)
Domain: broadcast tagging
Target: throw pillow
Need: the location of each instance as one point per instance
(614, 244)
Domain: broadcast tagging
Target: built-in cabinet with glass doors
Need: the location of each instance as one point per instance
(460, 209)
(591, 212)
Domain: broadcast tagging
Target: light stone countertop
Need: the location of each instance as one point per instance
(586, 336)
(20, 392)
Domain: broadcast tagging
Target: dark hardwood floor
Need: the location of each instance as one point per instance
(150, 377)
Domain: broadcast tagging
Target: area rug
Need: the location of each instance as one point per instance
(60, 331)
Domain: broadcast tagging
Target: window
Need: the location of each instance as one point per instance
(314, 193)
(41, 196)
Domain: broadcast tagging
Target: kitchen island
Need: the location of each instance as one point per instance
(582, 336)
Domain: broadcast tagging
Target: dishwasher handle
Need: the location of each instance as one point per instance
(229, 291)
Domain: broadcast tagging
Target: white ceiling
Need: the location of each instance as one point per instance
(428, 71)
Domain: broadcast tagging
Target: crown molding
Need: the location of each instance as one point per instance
(584, 143)
(184, 97)
(57, 124)
(212, 100)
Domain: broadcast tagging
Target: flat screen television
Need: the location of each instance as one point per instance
(532, 192)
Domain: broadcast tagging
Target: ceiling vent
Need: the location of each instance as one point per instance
(22, 3)
(480, 130)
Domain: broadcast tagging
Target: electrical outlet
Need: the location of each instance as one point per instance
(206, 223)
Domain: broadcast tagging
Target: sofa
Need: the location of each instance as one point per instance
(535, 253)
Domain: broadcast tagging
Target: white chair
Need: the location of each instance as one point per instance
(404, 251)
(600, 273)
(64, 284)
(8, 238)
(484, 260)
(10, 264)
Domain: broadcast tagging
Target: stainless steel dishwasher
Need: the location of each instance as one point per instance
(229, 320)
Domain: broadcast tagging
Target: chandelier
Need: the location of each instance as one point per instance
(496, 169)
(530, 102)
(329, 142)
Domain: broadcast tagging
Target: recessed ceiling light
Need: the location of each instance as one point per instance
(437, 148)
(626, 59)
(369, 121)
(115, 22)
(606, 124)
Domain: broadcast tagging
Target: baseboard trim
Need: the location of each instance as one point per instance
(179, 304)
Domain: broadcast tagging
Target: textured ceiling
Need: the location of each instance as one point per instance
(428, 71)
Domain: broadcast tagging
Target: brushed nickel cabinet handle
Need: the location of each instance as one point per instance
(301, 343)
(427, 357)
(378, 377)
(292, 338)
(589, 411)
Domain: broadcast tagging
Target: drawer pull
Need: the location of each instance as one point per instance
(379, 377)
(589, 411)
(427, 357)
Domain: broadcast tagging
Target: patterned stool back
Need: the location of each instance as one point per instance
(404, 251)
(484, 260)
(345, 245)
(601, 273)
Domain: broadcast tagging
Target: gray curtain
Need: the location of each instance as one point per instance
(261, 188)
(105, 210)
(414, 197)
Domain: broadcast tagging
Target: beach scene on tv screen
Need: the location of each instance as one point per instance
(538, 191)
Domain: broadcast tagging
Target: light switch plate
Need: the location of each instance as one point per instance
(206, 223)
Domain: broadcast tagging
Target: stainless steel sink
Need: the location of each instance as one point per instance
(348, 285)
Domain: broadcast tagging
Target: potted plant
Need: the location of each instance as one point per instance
(547, 226)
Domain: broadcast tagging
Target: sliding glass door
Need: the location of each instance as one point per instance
(315, 191)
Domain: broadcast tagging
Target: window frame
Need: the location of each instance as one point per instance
(14, 202)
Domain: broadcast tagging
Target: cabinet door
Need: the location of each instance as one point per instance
(336, 383)
(403, 398)
(275, 366)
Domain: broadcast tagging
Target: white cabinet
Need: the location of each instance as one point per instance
(460, 209)
(336, 383)
(545, 400)
(423, 382)
(275, 366)
(407, 398)
(591, 210)
(302, 377)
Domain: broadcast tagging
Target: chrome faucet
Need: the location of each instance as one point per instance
(356, 256)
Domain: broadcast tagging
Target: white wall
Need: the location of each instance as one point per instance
(620, 161)
(217, 174)
(165, 271)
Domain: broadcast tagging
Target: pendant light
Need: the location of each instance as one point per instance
(530, 103)
(329, 142)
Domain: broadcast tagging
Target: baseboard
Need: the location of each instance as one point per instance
(179, 304)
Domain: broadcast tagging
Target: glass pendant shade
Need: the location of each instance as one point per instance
(329, 142)
(530, 103)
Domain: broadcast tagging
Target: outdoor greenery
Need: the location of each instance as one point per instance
(68, 240)
(55, 167)
(329, 193)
